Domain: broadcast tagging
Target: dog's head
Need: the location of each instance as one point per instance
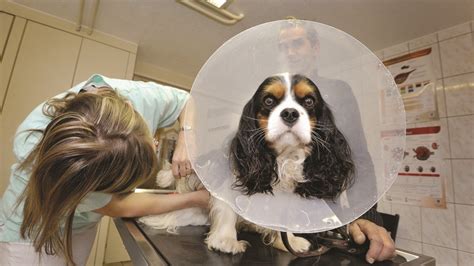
(288, 113)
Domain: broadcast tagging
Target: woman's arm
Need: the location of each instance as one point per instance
(141, 204)
(181, 166)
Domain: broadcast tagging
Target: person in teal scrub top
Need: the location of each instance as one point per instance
(79, 157)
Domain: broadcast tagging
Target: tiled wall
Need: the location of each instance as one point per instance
(446, 234)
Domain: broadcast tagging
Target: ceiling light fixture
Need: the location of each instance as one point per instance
(217, 3)
(214, 9)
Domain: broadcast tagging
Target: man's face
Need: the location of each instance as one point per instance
(298, 51)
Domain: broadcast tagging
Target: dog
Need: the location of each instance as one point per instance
(184, 217)
(286, 140)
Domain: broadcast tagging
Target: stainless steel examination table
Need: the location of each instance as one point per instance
(148, 246)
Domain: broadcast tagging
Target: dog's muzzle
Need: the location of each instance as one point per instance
(290, 116)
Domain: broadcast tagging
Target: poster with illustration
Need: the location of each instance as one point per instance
(413, 73)
(420, 180)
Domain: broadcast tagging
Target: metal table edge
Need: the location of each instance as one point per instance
(139, 248)
(422, 260)
(142, 252)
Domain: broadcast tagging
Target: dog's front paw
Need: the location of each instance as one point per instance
(227, 245)
(299, 244)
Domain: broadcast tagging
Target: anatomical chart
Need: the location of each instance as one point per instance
(420, 180)
(413, 73)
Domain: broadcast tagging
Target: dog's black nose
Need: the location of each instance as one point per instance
(289, 116)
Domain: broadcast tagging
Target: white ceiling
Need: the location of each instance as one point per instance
(179, 39)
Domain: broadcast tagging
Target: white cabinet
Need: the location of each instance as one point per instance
(6, 22)
(115, 250)
(11, 44)
(102, 59)
(11, 30)
(44, 67)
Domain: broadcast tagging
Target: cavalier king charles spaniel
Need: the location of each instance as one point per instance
(286, 140)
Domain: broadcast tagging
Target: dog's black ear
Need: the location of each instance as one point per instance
(329, 169)
(253, 163)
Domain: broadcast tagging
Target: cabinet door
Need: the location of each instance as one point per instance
(98, 58)
(44, 67)
(11, 31)
(7, 60)
(6, 22)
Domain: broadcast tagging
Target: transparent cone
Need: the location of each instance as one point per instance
(368, 111)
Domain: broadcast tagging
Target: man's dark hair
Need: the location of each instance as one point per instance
(311, 32)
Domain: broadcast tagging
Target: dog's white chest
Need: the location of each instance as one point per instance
(290, 169)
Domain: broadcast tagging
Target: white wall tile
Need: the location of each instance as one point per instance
(461, 136)
(436, 56)
(457, 55)
(463, 179)
(454, 31)
(440, 98)
(465, 259)
(438, 226)
(423, 41)
(395, 50)
(409, 226)
(465, 227)
(459, 92)
(384, 206)
(409, 245)
(443, 256)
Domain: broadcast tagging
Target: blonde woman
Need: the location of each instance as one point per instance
(79, 155)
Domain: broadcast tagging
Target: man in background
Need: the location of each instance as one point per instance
(299, 44)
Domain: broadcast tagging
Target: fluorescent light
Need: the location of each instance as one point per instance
(215, 9)
(217, 3)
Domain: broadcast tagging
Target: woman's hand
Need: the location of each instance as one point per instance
(381, 246)
(181, 167)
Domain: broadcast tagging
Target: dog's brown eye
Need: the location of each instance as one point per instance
(309, 102)
(269, 101)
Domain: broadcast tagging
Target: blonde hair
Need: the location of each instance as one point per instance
(95, 142)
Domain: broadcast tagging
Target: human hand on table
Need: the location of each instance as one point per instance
(381, 245)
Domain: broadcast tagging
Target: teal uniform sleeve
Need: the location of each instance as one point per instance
(159, 105)
(93, 201)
